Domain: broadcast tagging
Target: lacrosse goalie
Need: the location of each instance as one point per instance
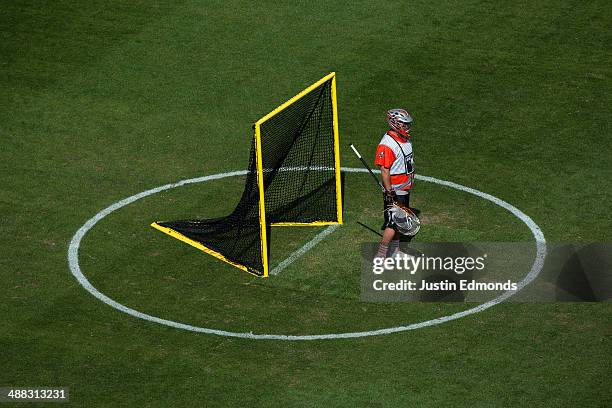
(395, 158)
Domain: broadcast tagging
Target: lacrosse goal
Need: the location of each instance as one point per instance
(293, 179)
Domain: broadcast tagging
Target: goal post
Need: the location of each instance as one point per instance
(263, 226)
(293, 180)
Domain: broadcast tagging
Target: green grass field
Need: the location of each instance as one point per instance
(102, 100)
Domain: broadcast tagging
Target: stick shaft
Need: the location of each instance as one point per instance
(367, 167)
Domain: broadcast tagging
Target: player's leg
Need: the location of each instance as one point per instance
(383, 247)
(394, 244)
(403, 199)
(388, 232)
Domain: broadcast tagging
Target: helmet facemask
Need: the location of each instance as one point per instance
(404, 128)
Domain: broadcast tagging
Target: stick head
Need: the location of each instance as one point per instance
(404, 219)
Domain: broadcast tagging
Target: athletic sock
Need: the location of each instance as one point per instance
(382, 251)
(393, 247)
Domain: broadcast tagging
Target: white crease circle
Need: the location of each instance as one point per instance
(73, 261)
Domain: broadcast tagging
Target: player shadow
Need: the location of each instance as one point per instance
(582, 272)
(438, 275)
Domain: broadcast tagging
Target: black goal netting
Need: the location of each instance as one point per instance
(299, 183)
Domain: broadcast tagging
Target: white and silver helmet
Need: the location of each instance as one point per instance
(400, 120)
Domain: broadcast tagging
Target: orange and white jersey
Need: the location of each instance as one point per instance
(395, 153)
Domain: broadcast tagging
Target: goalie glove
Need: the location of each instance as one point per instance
(389, 197)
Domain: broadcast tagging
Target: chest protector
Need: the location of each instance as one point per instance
(402, 169)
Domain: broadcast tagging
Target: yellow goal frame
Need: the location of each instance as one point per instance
(259, 159)
(260, 186)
